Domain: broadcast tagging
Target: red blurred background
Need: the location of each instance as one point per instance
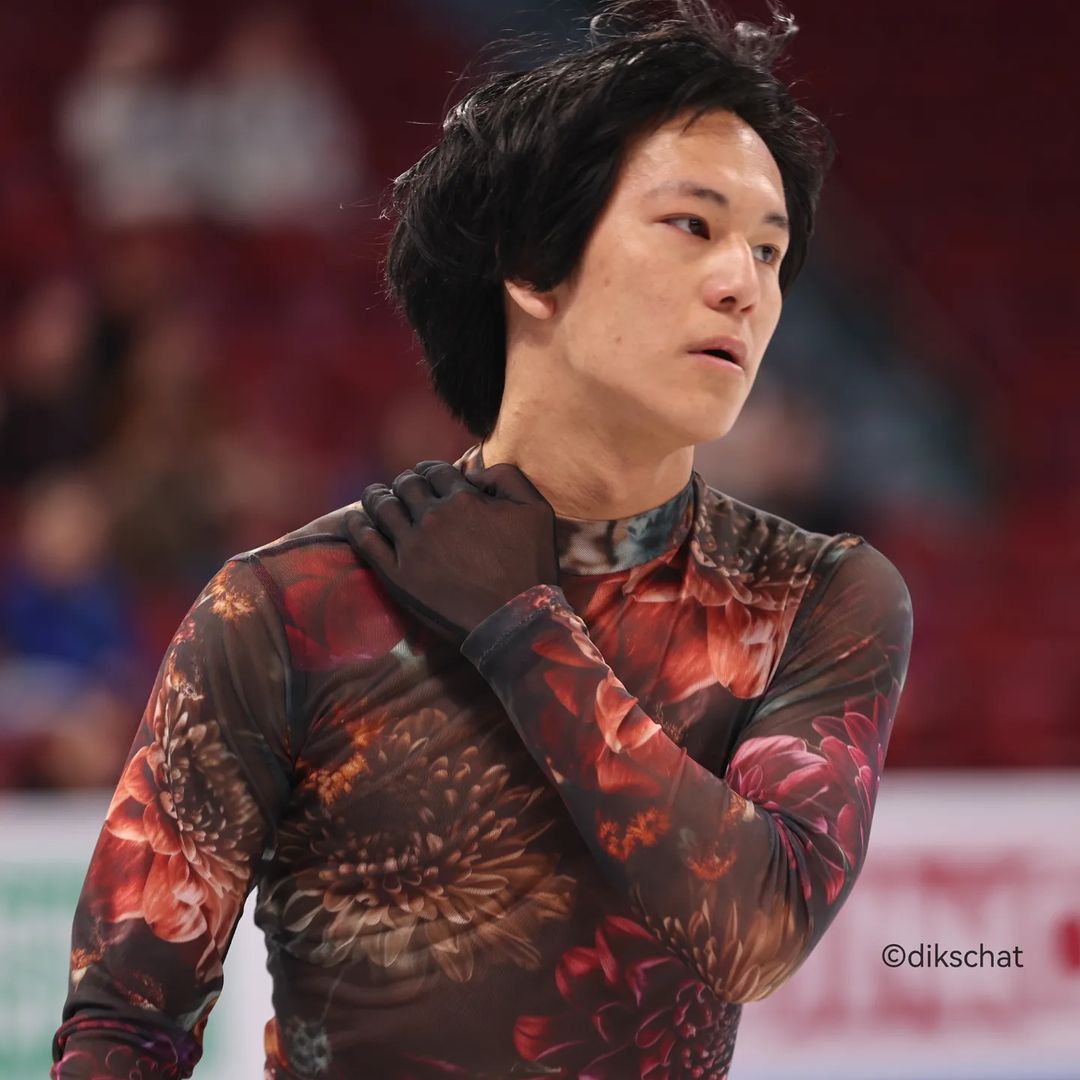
(195, 356)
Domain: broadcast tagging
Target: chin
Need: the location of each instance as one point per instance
(712, 427)
(684, 435)
(708, 421)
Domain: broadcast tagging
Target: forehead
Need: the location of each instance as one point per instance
(719, 148)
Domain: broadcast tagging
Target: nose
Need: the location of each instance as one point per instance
(732, 279)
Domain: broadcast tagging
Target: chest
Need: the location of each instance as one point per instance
(423, 730)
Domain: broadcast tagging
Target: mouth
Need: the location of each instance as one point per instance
(720, 354)
(719, 358)
(723, 350)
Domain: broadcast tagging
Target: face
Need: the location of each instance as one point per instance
(686, 252)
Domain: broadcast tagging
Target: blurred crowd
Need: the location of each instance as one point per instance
(196, 372)
(261, 136)
(195, 358)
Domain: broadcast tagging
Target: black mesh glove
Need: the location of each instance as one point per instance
(453, 550)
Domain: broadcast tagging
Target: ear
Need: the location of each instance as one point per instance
(540, 305)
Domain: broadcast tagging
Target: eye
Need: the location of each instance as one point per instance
(776, 253)
(695, 222)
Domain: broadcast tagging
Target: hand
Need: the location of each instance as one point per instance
(453, 550)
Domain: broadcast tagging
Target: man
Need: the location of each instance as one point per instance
(543, 762)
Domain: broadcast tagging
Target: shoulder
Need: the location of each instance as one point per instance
(319, 547)
(333, 605)
(760, 547)
(779, 561)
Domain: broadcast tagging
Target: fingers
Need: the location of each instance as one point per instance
(510, 482)
(414, 492)
(443, 477)
(395, 508)
(386, 511)
(504, 479)
(369, 543)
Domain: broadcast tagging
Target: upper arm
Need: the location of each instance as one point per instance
(205, 779)
(813, 749)
(852, 635)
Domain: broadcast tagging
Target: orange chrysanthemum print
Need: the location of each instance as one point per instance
(453, 885)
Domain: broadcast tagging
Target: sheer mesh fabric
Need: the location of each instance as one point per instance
(577, 841)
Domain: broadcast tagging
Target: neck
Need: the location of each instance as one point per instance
(605, 545)
(582, 473)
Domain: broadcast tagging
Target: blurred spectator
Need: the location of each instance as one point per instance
(66, 640)
(274, 139)
(776, 457)
(61, 726)
(123, 121)
(266, 485)
(482, 21)
(416, 427)
(60, 595)
(192, 478)
(58, 400)
(160, 479)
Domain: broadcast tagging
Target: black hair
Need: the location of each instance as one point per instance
(528, 160)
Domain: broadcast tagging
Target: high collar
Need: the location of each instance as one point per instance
(599, 546)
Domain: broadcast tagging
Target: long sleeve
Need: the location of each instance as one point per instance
(738, 875)
(190, 818)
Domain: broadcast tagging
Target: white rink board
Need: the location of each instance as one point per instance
(45, 846)
(956, 860)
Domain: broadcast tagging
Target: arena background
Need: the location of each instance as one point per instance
(195, 358)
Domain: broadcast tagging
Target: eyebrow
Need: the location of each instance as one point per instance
(701, 191)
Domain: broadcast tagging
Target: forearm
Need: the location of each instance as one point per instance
(95, 1044)
(686, 848)
(740, 874)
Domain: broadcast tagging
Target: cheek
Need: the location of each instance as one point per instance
(631, 306)
(601, 322)
(622, 312)
(767, 320)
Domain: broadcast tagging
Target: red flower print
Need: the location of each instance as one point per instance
(616, 723)
(168, 854)
(830, 790)
(633, 1010)
(751, 594)
(855, 746)
(337, 611)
